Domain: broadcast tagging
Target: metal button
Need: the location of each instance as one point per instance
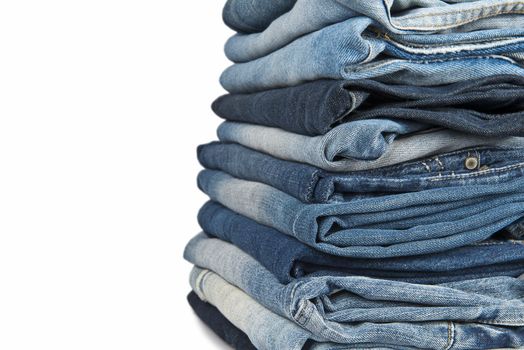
(471, 163)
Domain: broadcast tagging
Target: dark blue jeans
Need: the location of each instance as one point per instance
(288, 258)
(492, 106)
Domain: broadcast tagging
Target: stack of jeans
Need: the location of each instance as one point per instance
(367, 188)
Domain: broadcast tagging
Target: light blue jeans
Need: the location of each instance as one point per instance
(399, 17)
(353, 49)
(476, 314)
(359, 145)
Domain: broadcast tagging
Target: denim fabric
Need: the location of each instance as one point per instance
(313, 185)
(475, 314)
(250, 16)
(402, 224)
(350, 50)
(267, 330)
(492, 106)
(212, 317)
(359, 145)
(287, 258)
(308, 16)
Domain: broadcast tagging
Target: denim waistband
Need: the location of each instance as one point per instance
(313, 185)
(491, 106)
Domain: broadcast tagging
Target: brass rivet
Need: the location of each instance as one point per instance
(471, 163)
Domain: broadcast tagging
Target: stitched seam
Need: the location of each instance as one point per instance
(477, 174)
(451, 335)
(309, 189)
(482, 8)
(455, 46)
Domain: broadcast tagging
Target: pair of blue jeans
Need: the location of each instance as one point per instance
(478, 314)
(399, 17)
(491, 106)
(287, 258)
(313, 185)
(358, 145)
(354, 49)
(403, 224)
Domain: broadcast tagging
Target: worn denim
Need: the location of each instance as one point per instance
(492, 106)
(350, 50)
(483, 313)
(288, 258)
(250, 16)
(212, 317)
(398, 17)
(265, 329)
(313, 185)
(359, 145)
(401, 224)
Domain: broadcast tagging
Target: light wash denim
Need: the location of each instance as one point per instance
(359, 145)
(219, 324)
(308, 16)
(313, 185)
(250, 16)
(265, 329)
(288, 258)
(350, 50)
(402, 224)
(475, 314)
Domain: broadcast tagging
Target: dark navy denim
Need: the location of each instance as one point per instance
(251, 16)
(287, 258)
(314, 185)
(490, 106)
(220, 325)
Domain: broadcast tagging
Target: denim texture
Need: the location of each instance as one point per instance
(313, 185)
(428, 17)
(220, 325)
(492, 106)
(251, 16)
(359, 145)
(288, 258)
(482, 313)
(401, 224)
(351, 50)
(266, 329)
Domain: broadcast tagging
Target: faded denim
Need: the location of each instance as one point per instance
(220, 325)
(313, 185)
(404, 224)
(288, 258)
(492, 106)
(398, 17)
(266, 329)
(483, 313)
(250, 16)
(359, 145)
(350, 50)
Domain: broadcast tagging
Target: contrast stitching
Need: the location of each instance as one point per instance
(482, 8)
(451, 335)
(477, 174)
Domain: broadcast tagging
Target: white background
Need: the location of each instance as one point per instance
(102, 104)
